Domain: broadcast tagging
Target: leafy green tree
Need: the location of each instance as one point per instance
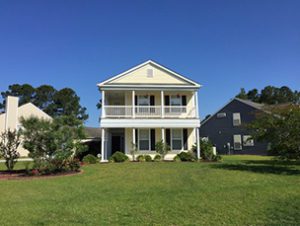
(25, 92)
(253, 95)
(281, 128)
(53, 143)
(9, 143)
(54, 102)
(242, 94)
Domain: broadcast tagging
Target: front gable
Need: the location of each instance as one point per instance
(149, 74)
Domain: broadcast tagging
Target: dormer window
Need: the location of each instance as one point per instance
(150, 73)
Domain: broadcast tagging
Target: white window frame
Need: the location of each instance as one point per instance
(240, 138)
(181, 132)
(246, 142)
(238, 114)
(138, 98)
(172, 97)
(149, 137)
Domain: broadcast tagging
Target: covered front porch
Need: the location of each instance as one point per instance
(144, 140)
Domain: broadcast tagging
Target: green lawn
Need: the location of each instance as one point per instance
(243, 190)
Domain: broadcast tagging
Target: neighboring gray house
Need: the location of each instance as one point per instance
(226, 128)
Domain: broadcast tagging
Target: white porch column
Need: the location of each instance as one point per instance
(103, 104)
(163, 134)
(162, 103)
(103, 148)
(133, 103)
(198, 142)
(196, 103)
(133, 136)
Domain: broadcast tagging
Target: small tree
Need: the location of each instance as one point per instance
(53, 144)
(281, 128)
(162, 148)
(133, 150)
(10, 141)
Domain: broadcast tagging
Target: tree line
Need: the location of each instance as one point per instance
(271, 95)
(63, 102)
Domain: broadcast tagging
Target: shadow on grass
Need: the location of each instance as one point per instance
(272, 162)
(260, 167)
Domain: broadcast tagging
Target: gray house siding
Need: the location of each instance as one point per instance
(220, 131)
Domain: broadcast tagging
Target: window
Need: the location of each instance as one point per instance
(221, 115)
(248, 141)
(237, 142)
(150, 73)
(176, 139)
(175, 100)
(143, 100)
(144, 139)
(236, 119)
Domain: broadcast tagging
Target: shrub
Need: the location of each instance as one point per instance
(148, 158)
(177, 159)
(9, 143)
(119, 157)
(187, 156)
(162, 148)
(90, 159)
(157, 158)
(217, 158)
(206, 150)
(74, 164)
(141, 158)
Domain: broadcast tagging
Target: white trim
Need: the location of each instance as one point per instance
(198, 143)
(182, 141)
(143, 64)
(103, 103)
(149, 123)
(103, 145)
(149, 136)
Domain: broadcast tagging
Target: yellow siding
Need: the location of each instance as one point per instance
(139, 76)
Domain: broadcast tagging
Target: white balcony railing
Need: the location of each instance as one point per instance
(121, 111)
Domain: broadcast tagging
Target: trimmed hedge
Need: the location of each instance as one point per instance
(118, 157)
(90, 159)
(187, 157)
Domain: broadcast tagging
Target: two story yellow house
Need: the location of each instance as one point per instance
(147, 104)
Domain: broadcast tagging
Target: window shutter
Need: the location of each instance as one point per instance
(185, 139)
(152, 100)
(168, 137)
(135, 100)
(183, 99)
(136, 138)
(152, 139)
(167, 100)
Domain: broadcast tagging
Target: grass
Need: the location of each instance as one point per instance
(242, 190)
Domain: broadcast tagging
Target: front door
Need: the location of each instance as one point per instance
(117, 144)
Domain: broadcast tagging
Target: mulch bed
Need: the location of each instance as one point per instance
(22, 175)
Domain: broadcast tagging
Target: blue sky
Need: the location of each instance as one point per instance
(223, 45)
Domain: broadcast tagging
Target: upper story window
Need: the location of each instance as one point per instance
(143, 100)
(176, 100)
(236, 119)
(221, 115)
(150, 73)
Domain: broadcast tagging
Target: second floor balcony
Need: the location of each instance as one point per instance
(149, 104)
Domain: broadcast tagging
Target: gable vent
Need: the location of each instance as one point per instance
(150, 73)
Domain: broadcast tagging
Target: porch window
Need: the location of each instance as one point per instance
(144, 139)
(143, 100)
(176, 100)
(177, 139)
